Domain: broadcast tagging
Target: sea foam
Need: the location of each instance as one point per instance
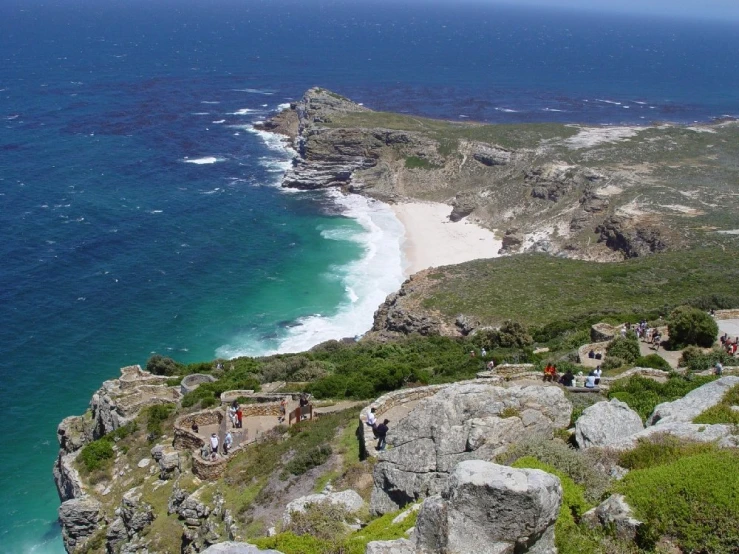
(203, 161)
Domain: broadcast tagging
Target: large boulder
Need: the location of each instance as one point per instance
(487, 508)
(604, 423)
(692, 404)
(723, 435)
(471, 421)
(348, 499)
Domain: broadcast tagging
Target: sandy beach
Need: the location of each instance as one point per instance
(431, 240)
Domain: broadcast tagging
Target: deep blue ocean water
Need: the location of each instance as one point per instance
(116, 245)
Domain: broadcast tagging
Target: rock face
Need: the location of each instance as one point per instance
(632, 238)
(692, 404)
(486, 508)
(79, 519)
(461, 422)
(604, 423)
(348, 499)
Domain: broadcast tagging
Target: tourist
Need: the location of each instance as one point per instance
(656, 340)
(232, 414)
(550, 373)
(372, 418)
(283, 410)
(491, 365)
(381, 433)
(239, 417)
(213, 443)
(591, 354)
(718, 369)
(483, 352)
(303, 400)
(579, 379)
(195, 428)
(590, 380)
(597, 372)
(227, 442)
(568, 378)
(472, 353)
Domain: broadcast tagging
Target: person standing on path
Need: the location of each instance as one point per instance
(213, 445)
(239, 417)
(227, 442)
(381, 433)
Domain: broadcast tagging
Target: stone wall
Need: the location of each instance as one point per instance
(229, 396)
(252, 410)
(597, 348)
(133, 376)
(193, 381)
(208, 470)
(727, 314)
(184, 438)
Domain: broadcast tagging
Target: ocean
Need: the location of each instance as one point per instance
(142, 213)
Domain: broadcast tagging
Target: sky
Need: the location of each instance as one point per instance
(699, 9)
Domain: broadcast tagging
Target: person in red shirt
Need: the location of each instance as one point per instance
(239, 416)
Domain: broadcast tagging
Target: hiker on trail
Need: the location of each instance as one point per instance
(239, 416)
(232, 414)
(303, 400)
(656, 340)
(718, 369)
(483, 352)
(227, 442)
(372, 418)
(597, 372)
(195, 428)
(568, 378)
(381, 433)
(214, 444)
(491, 365)
(472, 353)
(283, 410)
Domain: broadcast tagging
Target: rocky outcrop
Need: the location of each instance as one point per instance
(67, 479)
(615, 516)
(489, 155)
(348, 499)
(461, 422)
(463, 205)
(554, 181)
(512, 241)
(692, 404)
(485, 508)
(632, 237)
(79, 519)
(604, 423)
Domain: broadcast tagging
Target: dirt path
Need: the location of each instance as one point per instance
(671, 357)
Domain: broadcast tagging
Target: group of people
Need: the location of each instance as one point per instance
(730, 346)
(236, 415)
(569, 379)
(210, 450)
(645, 333)
(379, 430)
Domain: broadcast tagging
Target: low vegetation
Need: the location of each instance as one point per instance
(692, 499)
(724, 411)
(642, 394)
(691, 326)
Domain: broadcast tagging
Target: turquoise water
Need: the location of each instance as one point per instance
(115, 245)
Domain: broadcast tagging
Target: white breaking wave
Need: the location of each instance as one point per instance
(281, 107)
(254, 91)
(367, 281)
(608, 101)
(209, 102)
(219, 121)
(244, 111)
(551, 110)
(506, 110)
(203, 161)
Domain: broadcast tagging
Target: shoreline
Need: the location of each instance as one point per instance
(432, 240)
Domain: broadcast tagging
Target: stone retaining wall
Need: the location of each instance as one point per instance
(597, 348)
(193, 381)
(184, 438)
(229, 396)
(133, 376)
(251, 410)
(727, 314)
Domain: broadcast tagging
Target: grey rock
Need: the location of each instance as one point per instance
(79, 519)
(400, 546)
(66, 477)
(135, 513)
(604, 423)
(692, 404)
(157, 451)
(169, 465)
(348, 499)
(631, 237)
(723, 435)
(490, 155)
(236, 548)
(116, 534)
(461, 422)
(615, 515)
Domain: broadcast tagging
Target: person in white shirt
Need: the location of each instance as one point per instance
(214, 443)
(590, 380)
(597, 372)
(227, 442)
(372, 418)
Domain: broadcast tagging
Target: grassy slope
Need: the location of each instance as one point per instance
(539, 289)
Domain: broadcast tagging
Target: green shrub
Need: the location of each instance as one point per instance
(692, 500)
(510, 411)
(155, 415)
(642, 394)
(290, 543)
(612, 362)
(722, 412)
(695, 359)
(655, 361)
(97, 455)
(626, 348)
(511, 334)
(161, 365)
(324, 521)
(414, 162)
(691, 326)
(308, 459)
(660, 450)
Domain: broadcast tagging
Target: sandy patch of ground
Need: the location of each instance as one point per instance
(588, 137)
(685, 210)
(431, 240)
